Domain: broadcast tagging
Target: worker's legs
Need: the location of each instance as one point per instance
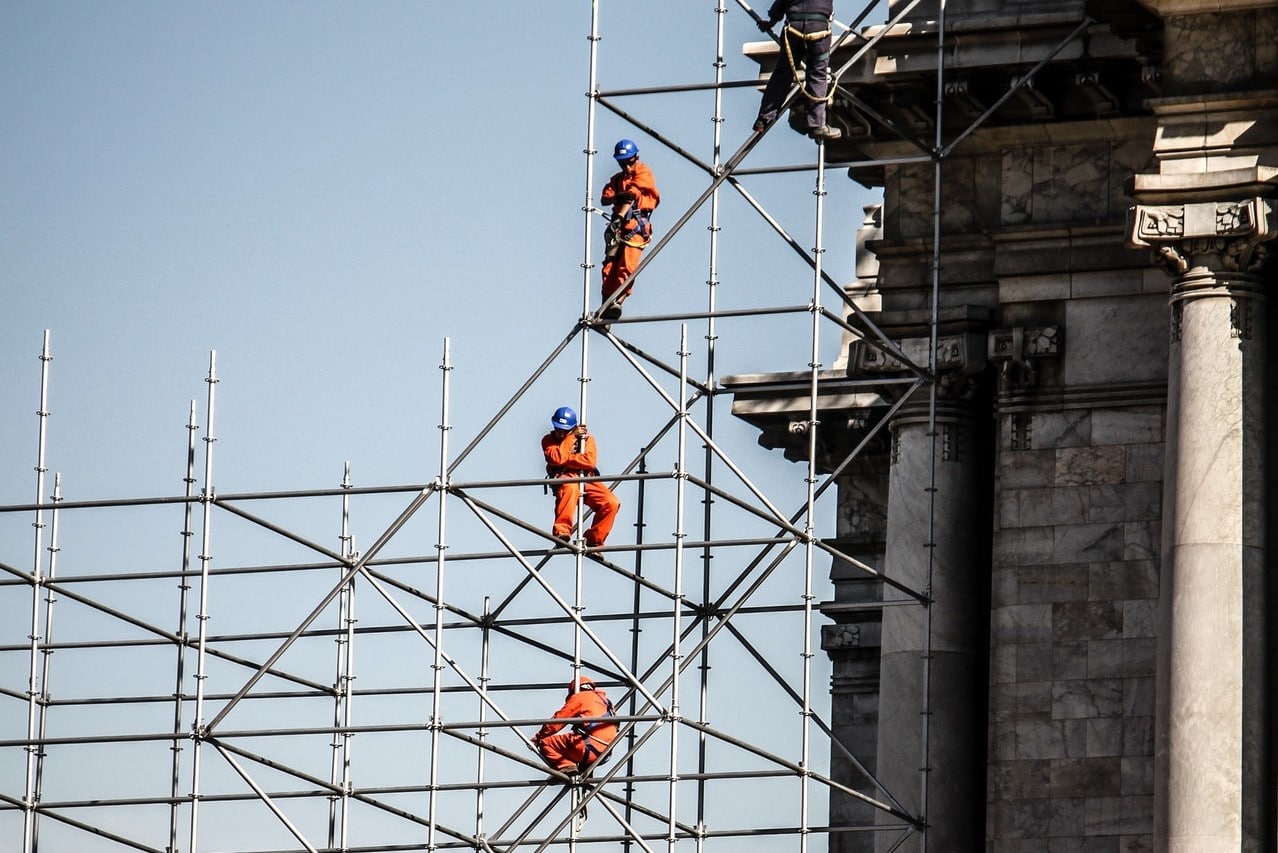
(565, 509)
(605, 504)
(817, 64)
(779, 83)
(617, 269)
(563, 751)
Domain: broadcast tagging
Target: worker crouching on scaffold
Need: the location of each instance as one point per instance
(633, 195)
(575, 749)
(570, 451)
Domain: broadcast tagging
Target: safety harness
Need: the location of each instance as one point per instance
(586, 729)
(791, 30)
(634, 230)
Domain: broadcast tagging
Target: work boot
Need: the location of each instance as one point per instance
(612, 312)
(760, 125)
(825, 133)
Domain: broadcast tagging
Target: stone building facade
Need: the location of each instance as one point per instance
(1098, 641)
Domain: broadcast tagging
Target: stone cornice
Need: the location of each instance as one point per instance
(1222, 185)
(1167, 8)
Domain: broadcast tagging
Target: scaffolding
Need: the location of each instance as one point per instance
(383, 698)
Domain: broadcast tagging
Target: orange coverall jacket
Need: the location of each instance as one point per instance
(570, 749)
(635, 230)
(639, 183)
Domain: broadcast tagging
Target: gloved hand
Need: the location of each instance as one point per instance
(767, 25)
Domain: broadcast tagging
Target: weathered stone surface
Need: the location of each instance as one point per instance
(1062, 429)
(1144, 463)
(1087, 700)
(1118, 815)
(1041, 584)
(1090, 620)
(1090, 465)
(1085, 777)
(1089, 542)
(1124, 426)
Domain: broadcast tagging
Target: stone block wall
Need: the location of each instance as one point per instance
(1072, 644)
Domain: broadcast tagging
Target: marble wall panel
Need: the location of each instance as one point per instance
(1052, 583)
(1144, 463)
(1124, 501)
(1084, 777)
(1017, 206)
(1089, 542)
(1118, 815)
(1024, 468)
(1142, 540)
(1216, 53)
(1127, 426)
(1087, 700)
(1087, 620)
(1048, 662)
(1026, 700)
(1071, 428)
(1126, 579)
(1090, 465)
(1126, 341)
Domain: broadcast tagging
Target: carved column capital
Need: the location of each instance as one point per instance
(1228, 236)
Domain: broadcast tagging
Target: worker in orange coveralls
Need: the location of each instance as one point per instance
(570, 452)
(573, 750)
(632, 192)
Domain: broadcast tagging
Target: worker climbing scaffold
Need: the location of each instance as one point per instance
(570, 452)
(633, 195)
(805, 41)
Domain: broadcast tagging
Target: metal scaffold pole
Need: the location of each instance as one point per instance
(343, 692)
(441, 548)
(925, 714)
(207, 496)
(184, 596)
(809, 525)
(677, 607)
(30, 817)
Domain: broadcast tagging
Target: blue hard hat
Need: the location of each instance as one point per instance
(624, 150)
(563, 418)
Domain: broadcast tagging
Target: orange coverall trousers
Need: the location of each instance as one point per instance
(599, 498)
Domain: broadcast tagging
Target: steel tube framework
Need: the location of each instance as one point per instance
(506, 633)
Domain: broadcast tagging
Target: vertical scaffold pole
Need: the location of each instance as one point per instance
(184, 594)
(588, 205)
(46, 652)
(442, 486)
(485, 638)
(938, 156)
(636, 628)
(678, 598)
(207, 496)
(586, 282)
(29, 803)
(340, 769)
(707, 500)
(809, 526)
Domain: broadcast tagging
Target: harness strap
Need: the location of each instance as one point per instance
(794, 65)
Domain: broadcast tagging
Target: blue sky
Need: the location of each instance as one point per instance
(322, 192)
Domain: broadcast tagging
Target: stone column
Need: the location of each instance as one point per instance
(955, 722)
(1212, 743)
(852, 642)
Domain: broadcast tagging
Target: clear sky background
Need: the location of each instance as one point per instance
(322, 192)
